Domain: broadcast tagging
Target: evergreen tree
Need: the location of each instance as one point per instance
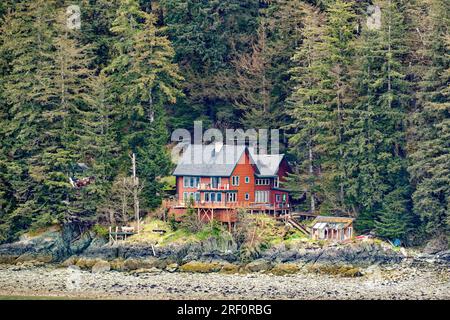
(144, 78)
(320, 107)
(375, 146)
(26, 45)
(307, 109)
(430, 143)
(207, 36)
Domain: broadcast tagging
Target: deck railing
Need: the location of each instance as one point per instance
(230, 205)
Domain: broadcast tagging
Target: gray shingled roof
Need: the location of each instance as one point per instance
(268, 164)
(203, 160)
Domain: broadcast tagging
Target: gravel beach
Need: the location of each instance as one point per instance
(392, 283)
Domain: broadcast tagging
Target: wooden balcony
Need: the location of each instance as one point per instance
(228, 205)
(219, 187)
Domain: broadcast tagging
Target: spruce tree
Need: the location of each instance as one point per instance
(321, 104)
(307, 110)
(429, 147)
(376, 126)
(145, 80)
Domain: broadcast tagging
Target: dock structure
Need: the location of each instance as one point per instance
(120, 234)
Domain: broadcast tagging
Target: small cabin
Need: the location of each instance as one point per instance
(332, 228)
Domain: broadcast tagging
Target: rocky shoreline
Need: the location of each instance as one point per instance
(64, 263)
(395, 282)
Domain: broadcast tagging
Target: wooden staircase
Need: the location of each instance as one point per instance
(298, 226)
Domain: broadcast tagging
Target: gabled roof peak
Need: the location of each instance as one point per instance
(212, 160)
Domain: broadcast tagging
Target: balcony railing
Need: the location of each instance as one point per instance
(228, 204)
(209, 186)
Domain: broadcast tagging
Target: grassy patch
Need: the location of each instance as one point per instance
(181, 235)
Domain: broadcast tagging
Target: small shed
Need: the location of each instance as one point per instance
(332, 228)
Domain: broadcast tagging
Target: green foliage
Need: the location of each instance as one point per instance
(430, 135)
(366, 110)
(100, 230)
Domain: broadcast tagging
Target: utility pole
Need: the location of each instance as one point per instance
(135, 192)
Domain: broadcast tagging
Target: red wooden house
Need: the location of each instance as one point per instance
(219, 179)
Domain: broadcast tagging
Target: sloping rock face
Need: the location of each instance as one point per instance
(71, 246)
(358, 254)
(51, 246)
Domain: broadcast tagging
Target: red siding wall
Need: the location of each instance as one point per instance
(245, 169)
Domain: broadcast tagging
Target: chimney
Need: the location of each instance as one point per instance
(217, 147)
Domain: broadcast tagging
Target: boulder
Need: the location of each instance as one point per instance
(38, 257)
(101, 266)
(71, 261)
(282, 269)
(7, 259)
(117, 265)
(172, 267)
(143, 263)
(229, 268)
(258, 265)
(86, 263)
(200, 267)
(436, 245)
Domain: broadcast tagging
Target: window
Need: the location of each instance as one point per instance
(197, 196)
(191, 182)
(276, 182)
(262, 182)
(235, 180)
(247, 196)
(213, 196)
(215, 181)
(247, 179)
(232, 197)
(262, 196)
(278, 197)
(185, 196)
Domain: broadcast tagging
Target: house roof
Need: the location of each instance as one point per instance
(268, 164)
(332, 222)
(209, 160)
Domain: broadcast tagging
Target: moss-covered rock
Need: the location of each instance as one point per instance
(172, 267)
(71, 261)
(285, 268)
(229, 268)
(41, 257)
(7, 259)
(101, 266)
(258, 265)
(147, 263)
(117, 264)
(200, 267)
(336, 270)
(86, 263)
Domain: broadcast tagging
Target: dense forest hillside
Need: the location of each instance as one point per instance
(360, 90)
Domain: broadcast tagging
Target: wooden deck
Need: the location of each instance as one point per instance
(225, 212)
(228, 205)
